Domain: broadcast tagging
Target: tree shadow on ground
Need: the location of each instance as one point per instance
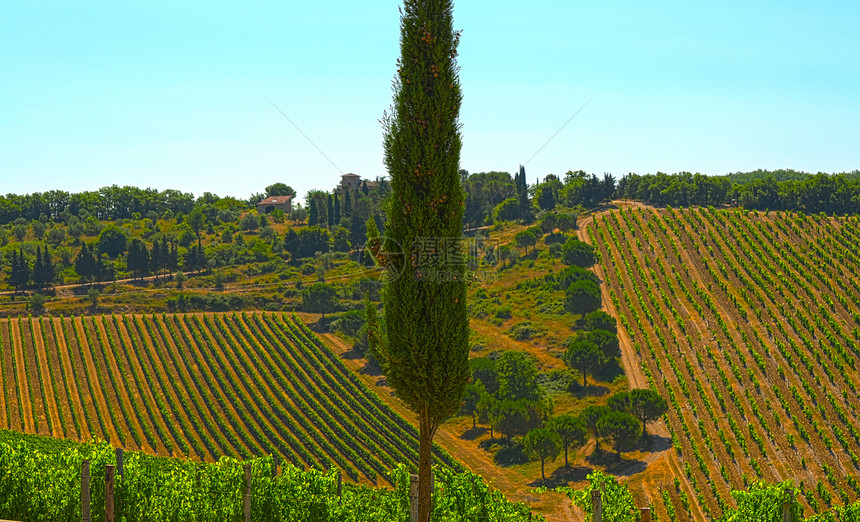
(614, 466)
(654, 443)
(593, 390)
(372, 368)
(510, 454)
(563, 476)
(609, 371)
(473, 433)
(352, 354)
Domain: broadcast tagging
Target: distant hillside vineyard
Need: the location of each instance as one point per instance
(202, 385)
(749, 324)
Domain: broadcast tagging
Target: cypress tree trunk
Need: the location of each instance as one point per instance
(424, 349)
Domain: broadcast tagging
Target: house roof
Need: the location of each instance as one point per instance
(350, 175)
(275, 200)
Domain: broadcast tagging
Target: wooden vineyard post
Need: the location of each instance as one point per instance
(119, 470)
(596, 505)
(246, 503)
(85, 491)
(413, 498)
(645, 514)
(786, 506)
(109, 475)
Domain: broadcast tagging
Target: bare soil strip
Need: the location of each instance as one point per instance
(98, 393)
(203, 366)
(195, 395)
(4, 370)
(631, 363)
(172, 384)
(21, 374)
(124, 390)
(142, 392)
(47, 381)
(71, 385)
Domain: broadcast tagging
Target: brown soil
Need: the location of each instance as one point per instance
(168, 373)
(47, 381)
(71, 386)
(97, 392)
(23, 380)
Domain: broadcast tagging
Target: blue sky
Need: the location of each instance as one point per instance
(176, 94)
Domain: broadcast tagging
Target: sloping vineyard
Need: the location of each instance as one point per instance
(201, 385)
(749, 324)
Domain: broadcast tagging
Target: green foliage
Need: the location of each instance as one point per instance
(619, 427)
(600, 320)
(517, 377)
(425, 354)
(570, 275)
(36, 303)
(41, 481)
(319, 298)
(584, 356)
(507, 210)
(526, 238)
(112, 241)
(570, 430)
(646, 405)
(250, 221)
(542, 444)
(526, 330)
(590, 417)
(618, 504)
(577, 253)
(484, 371)
(762, 503)
(471, 397)
(280, 189)
(582, 297)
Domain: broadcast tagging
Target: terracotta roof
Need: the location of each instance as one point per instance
(275, 200)
(350, 175)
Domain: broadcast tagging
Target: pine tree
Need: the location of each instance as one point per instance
(424, 348)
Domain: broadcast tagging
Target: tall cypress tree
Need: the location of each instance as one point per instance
(313, 213)
(424, 348)
(337, 214)
(329, 207)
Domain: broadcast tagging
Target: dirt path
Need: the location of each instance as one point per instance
(554, 506)
(71, 385)
(98, 394)
(21, 374)
(631, 364)
(47, 381)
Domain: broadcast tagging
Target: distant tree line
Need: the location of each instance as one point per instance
(758, 190)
